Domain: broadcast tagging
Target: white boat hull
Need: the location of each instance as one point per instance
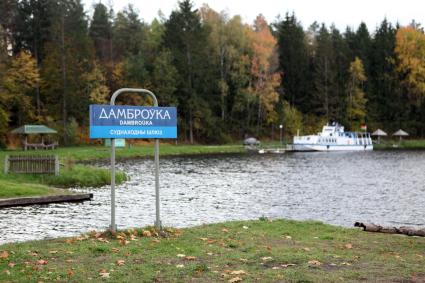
(331, 147)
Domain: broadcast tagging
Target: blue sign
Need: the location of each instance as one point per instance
(132, 122)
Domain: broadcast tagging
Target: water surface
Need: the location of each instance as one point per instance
(385, 187)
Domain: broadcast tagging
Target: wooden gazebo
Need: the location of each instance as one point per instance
(35, 130)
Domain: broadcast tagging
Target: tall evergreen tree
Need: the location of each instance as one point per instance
(186, 38)
(293, 62)
(325, 98)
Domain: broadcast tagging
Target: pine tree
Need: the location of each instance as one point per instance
(294, 63)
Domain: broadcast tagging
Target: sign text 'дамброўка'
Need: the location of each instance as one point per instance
(122, 121)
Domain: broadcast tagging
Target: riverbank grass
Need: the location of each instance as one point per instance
(249, 251)
(25, 185)
(10, 189)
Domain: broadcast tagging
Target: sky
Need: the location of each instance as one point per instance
(342, 13)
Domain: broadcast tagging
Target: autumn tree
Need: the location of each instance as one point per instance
(356, 110)
(264, 77)
(19, 83)
(410, 50)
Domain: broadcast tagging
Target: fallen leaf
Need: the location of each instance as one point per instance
(288, 237)
(243, 259)
(287, 265)
(70, 273)
(210, 254)
(348, 246)
(53, 252)
(265, 258)
(70, 260)
(146, 233)
(120, 262)
(104, 274)
(238, 272)
(190, 257)
(123, 242)
(235, 279)
(314, 262)
(11, 264)
(42, 262)
(180, 265)
(6, 271)
(133, 237)
(245, 227)
(345, 263)
(155, 240)
(115, 250)
(307, 249)
(203, 239)
(224, 230)
(181, 255)
(4, 254)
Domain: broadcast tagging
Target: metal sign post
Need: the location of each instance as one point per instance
(133, 122)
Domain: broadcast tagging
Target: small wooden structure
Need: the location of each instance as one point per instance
(32, 164)
(35, 129)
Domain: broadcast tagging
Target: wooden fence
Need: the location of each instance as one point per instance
(32, 164)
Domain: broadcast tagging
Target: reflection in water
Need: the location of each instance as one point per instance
(339, 188)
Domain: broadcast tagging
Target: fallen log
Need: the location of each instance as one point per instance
(404, 230)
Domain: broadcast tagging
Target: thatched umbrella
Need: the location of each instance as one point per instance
(379, 133)
(400, 133)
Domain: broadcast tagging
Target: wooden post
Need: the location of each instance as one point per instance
(56, 165)
(6, 164)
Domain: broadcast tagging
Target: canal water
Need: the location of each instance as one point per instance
(384, 187)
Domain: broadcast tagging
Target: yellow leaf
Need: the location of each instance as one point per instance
(146, 233)
(314, 262)
(120, 262)
(42, 262)
(4, 254)
(104, 274)
(238, 272)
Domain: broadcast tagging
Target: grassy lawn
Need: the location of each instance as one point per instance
(87, 153)
(250, 251)
(404, 144)
(10, 189)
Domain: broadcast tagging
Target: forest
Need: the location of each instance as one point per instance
(228, 79)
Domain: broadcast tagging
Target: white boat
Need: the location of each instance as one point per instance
(333, 138)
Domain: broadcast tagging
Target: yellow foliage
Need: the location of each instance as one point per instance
(410, 50)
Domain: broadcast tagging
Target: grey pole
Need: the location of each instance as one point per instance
(113, 226)
(156, 160)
